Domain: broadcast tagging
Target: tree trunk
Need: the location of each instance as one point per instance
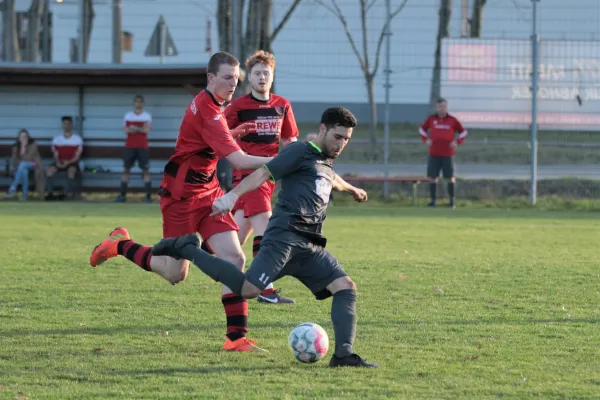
(34, 15)
(224, 25)
(476, 18)
(12, 52)
(373, 111)
(445, 13)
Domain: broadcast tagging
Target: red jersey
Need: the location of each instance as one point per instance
(442, 132)
(67, 147)
(203, 137)
(137, 140)
(274, 120)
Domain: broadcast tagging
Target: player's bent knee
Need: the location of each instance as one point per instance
(344, 283)
(249, 291)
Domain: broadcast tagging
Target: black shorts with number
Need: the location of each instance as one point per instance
(284, 253)
(142, 156)
(436, 164)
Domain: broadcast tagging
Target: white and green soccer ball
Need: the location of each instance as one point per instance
(309, 342)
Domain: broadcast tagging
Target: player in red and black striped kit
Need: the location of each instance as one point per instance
(188, 190)
(275, 124)
(439, 133)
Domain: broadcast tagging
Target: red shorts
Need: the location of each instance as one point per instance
(257, 201)
(181, 217)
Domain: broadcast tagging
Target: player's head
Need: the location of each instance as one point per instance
(67, 124)
(260, 67)
(24, 138)
(223, 73)
(335, 130)
(138, 102)
(441, 107)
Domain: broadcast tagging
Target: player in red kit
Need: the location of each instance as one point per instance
(439, 133)
(275, 124)
(188, 190)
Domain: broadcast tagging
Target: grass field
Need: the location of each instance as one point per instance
(472, 303)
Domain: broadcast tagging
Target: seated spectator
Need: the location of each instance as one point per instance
(25, 157)
(66, 149)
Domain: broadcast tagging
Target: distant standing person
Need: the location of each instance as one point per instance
(438, 132)
(136, 125)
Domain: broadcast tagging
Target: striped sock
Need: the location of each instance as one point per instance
(136, 253)
(236, 311)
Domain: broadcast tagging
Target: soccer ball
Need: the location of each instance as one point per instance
(309, 342)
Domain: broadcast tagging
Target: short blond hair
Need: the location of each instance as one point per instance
(260, 57)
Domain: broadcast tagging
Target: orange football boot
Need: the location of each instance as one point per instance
(108, 248)
(244, 345)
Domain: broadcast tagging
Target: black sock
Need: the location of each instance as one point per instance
(50, 184)
(207, 249)
(343, 316)
(451, 191)
(148, 187)
(215, 267)
(124, 188)
(432, 191)
(69, 185)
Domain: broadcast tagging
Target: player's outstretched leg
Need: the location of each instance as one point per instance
(188, 247)
(119, 242)
(343, 317)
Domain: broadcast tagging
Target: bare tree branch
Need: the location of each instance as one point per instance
(285, 19)
(365, 42)
(382, 36)
(328, 7)
(338, 13)
(368, 7)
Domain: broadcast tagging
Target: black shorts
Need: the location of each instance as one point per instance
(141, 155)
(66, 167)
(284, 253)
(435, 164)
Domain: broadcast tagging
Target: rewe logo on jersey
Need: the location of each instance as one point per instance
(268, 126)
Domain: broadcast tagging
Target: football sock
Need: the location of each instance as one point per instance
(451, 191)
(69, 185)
(236, 311)
(432, 191)
(124, 188)
(50, 184)
(256, 245)
(136, 253)
(148, 187)
(255, 249)
(207, 249)
(215, 267)
(343, 316)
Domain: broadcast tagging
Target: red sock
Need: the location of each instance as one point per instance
(236, 311)
(136, 253)
(256, 245)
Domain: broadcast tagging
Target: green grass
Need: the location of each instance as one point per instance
(470, 303)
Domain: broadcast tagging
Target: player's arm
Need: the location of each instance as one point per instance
(423, 131)
(462, 133)
(289, 128)
(341, 185)
(147, 125)
(253, 181)
(55, 153)
(77, 154)
(240, 160)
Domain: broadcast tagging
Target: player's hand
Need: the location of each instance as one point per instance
(224, 204)
(453, 144)
(428, 142)
(244, 129)
(359, 195)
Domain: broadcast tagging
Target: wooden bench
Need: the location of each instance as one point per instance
(414, 180)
